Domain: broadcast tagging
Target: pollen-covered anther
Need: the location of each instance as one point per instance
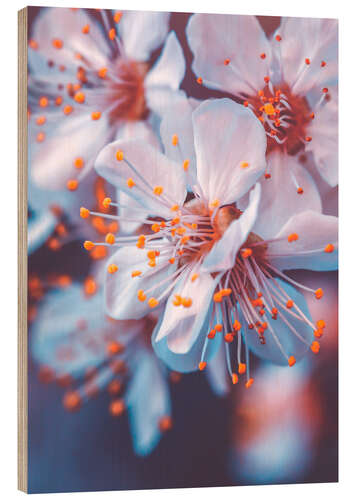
(88, 245)
(234, 378)
(199, 80)
(211, 334)
(293, 237)
(41, 120)
(329, 248)
(86, 29)
(218, 327)
(84, 212)
(90, 286)
(112, 268)
(106, 202)
(214, 203)
(228, 337)
(72, 184)
(323, 64)
(130, 183)
(226, 61)
(318, 333)
(291, 361)
(177, 300)
(185, 165)
(319, 293)
(262, 55)
(289, 304)
(110, 239)
(102, 72)
(67, 110)
(141, 295)
(158, 190)
(308, 138)
(278, 38)
(320, 323)
(300, 190)
(43, 102)
(111, 34)
(72, 401)
(186, 302)
(237, 326)
(116, 407)
(202, 365)
(242, 368)
(152, 302)
(225, 292)
(96, 115)
(78, 162)
(165, 423)
(244, 164)
(249, 383)
(217, 297)
(246, 252)
(57, 43)
(136, 273)
(40, 137)
(174, 140)
(315, 347)
(307, 61)
(79, 97)
(117, 16)
(325, 90)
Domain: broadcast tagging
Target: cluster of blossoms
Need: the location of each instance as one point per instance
(204, 206)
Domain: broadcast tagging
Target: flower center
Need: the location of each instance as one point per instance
(284, 116)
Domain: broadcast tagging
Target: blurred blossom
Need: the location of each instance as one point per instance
(289, 82)
(92, 80)
(277, 426)
(217, 268)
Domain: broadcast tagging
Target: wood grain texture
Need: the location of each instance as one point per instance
(22, 254)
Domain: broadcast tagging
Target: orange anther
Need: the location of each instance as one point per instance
(177, 300)
(158, 190)
(112, 268)
(241, 368)
(155, 228)
(72, 184)
(111, 34)
(319, 293)
(218, 327)
(289, 304)
(325, 90)
(41, 120)
(114, 348)
(172, 260)
(212, 334)
(194, 277)
(266, 79)
(43, 102)
(227, 61)
(117, 407)
(217, 297)
(274, 311)
(85, 29)
(106, 202)
(234, 378)
(237, 326)
(300, 190)
(249, 383)
(102, 72)
(33, 44)
(307, 61)
(40, 137)
(130, 183)
(244, 164)
(291, 361)
(187, 302)
(293, 237)
(141, 295)
(134, 274)
(323, 64)
(96, 115)
(88, 245)
(315, 347)
(308, 138)
(72, 401)
(278, 38)
(67, 110)
(152, 302)
(174, 140)
(246, 104)
(57, 43)
(246, 252)
(320, 323)
(78, 162)
(202, 365)
(84, 212)
(152, 263)
(90, 286)
(79, 97)
(117, 16)
(199, 80)
(329, 248)
(318, 333)
(185, 165)
(110, 238)
(262, 55)
(58, 100)
(228, 338)
(165, 423)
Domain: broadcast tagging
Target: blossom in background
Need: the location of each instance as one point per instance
(277, 426)
(85, 351)
(289, 82)
(90, 82)
(203, 258)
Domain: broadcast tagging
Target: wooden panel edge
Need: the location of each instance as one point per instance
(22, 254)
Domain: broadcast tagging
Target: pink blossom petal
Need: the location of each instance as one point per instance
(215, 39)
(312, 250)
(230, 145)
(279, 199)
